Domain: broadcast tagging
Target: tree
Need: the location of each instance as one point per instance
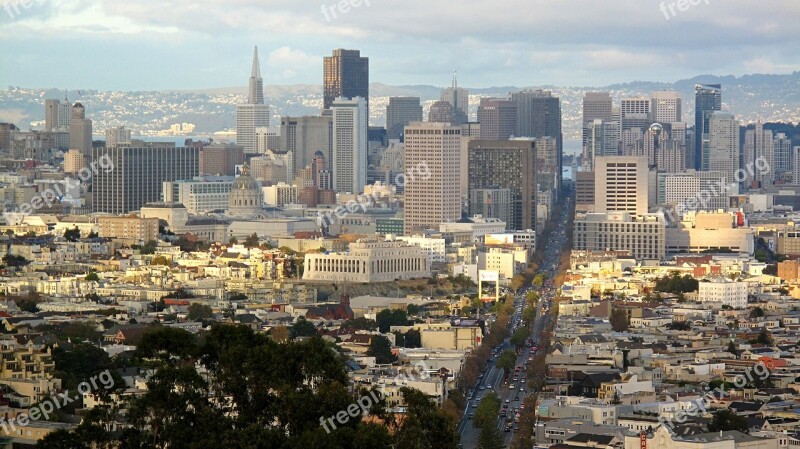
(149, 247)
(532, 298)
(251, 241)
(92, 277)
(412, 309)
(425, 425)
(412, 339)
(490, 438)
(727, 419)
(387, 318)
(279, 334)
(764, 338)
(733, 349)
(160, 260)
(619, 320)
(237, 297)
(381, 348)
(507, 360)
(169, 344)
(757, 312)
(180, 293)
(302, 328)
(529, 314)
(11, 260)
(487, 411)
(233, 241)
(679, 326)
(92, 235)
(72, 235)
(675, 283)
(539, 279)
(359, 324)
(520, 337)
(199, 312)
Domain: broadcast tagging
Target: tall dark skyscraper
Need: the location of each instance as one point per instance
(707, 99)
(539, 115)
(346, 74)
(505, 164)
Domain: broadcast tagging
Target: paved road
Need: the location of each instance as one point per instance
(492, 380)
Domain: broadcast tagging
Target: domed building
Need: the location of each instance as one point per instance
(246, 198)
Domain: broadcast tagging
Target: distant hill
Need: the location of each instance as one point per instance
(769, 98)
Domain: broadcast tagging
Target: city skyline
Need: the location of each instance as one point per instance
(487, 51)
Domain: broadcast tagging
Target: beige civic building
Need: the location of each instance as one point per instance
(368, 262)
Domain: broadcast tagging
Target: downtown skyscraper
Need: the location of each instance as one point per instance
(349, 144)
(707, 100)
(254, 114)
(345, 75)
(434, 199)
(539, 115)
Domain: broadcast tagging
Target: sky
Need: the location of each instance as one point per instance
(134, 45)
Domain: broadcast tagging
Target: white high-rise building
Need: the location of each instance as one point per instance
(254, 114)
(723, 146)
(433, 170)
(621, 184)
(666, 106)
(635, 113)
(349, 144)
(758, 144)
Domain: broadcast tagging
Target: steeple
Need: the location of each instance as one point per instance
(255, 93)
(256, 73)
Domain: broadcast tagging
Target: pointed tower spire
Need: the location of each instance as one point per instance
(256, 73)
(255, 93)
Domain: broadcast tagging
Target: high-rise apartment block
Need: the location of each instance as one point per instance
(498, 118)
(723, 145)
(759, 144)
(505, 164)
(539, 115)
(432, 185)
(349, 144)
(622, 184)
(138, 173)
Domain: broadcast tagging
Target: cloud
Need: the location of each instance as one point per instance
(576, 42)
